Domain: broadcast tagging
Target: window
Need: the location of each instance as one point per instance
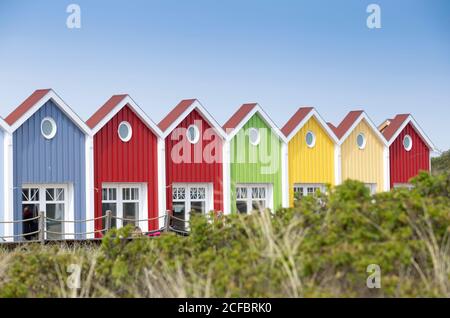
(125, 131)
(48, 128)
(361, 141)
(302, 190)
(310, 139)
(127, 203)
(250, 197)
(53, 201)
(254, 136)
(407, 142)
(193, 134)
(408, 186)
(187, 199)
(372, 187)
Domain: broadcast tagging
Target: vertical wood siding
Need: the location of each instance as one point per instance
(268, 171)
(195, 171)
(406, 164)
(2, 178)
(135, 161)
(365, 165)
(60, 160)
(310, 165)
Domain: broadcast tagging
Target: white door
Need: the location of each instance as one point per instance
(253, 197)
(127, 203)
(56, 201)
(190, 198)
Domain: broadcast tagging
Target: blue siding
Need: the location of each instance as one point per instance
(2, 177)
(60, 160)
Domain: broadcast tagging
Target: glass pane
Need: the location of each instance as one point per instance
(258, 205)
(47, 127)
(126, 194)
(124, 131)
(241, 207)
(30, 211)
(112, 194)
(55, 214)
(49, 194)
(105, 194)
(179, 211)
(25, 195)
(113, 208)
(135, 194)
(59, 194)
(198, 207)
(130, 211)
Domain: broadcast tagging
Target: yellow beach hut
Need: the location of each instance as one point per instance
(312, 154)
(364, 152)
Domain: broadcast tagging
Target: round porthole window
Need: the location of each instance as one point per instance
(125, 132)
(254, 136)
(361, 141)
(48, 128)
(192, 134)
(407, 142)
(310, 139)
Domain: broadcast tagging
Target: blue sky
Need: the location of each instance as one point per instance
(281, 54)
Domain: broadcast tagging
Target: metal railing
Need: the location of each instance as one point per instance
(43, 234)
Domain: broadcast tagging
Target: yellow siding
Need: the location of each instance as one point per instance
(365, 165)
(310, 165)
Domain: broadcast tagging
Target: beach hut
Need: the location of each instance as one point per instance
(409, 149)
(128, 171)
(194, 161)
(51, 166)
(255, 148)
(313, 153)
(364, 153)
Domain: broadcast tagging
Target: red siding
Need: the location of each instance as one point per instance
(194, 171)
(133, 161)
(406, 164)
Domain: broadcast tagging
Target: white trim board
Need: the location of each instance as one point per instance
(361, 117)
(316, 115)
(4, 125)
(416, 127)
(206, 115)
(127, 100)
(51, 95)
(269, 122)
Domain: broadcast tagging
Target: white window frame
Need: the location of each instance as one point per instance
(410, 142)
(408, 186)
(130, 131)
(197, 131)
(372, 187)
(209, 197)
(143, 202)
(269, 195)
(55, 128)
(305, 189)
(69, 213)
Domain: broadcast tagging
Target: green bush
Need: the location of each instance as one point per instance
(322, 247)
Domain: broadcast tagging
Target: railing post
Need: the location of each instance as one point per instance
(167, 221)
(41, 227)
(108, 220)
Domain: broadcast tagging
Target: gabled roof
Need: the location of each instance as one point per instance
(351, 121)
(34, 102)
(391, 128)
(4, 126)
(243, 115)
(179, 113)
(300, 118)
(105, 113)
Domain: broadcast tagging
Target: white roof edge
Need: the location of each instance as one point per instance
(128, 100)
(51, 95)
(371, 124)
(417, 128)
(321, 121)
(257, 109)
(4, 126)
(207, 116)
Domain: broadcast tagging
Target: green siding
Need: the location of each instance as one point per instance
(248, 166)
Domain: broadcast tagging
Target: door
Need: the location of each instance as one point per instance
(188, 199)
(54, 201)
